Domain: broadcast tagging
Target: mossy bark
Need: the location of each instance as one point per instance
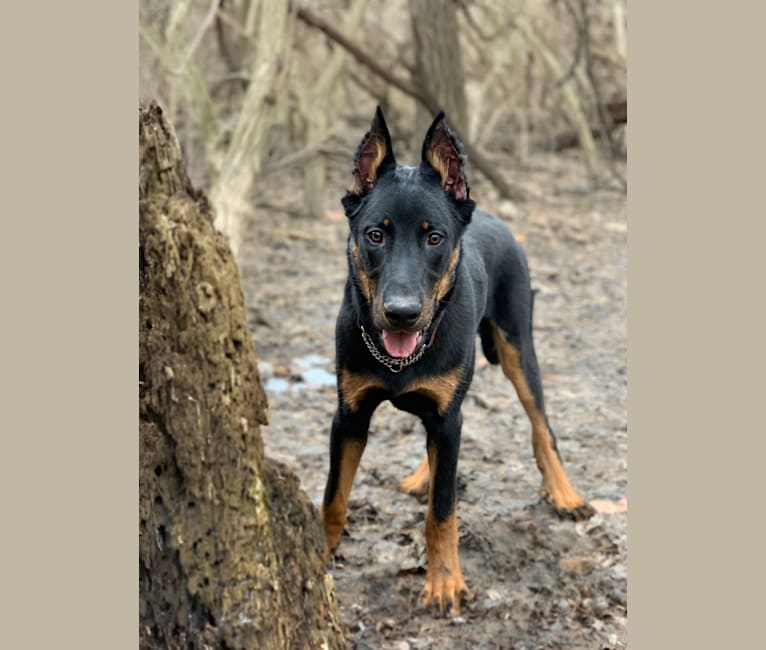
(230, 548)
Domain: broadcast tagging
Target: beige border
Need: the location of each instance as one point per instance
(697, 175)
(69, 447)
(69, 321)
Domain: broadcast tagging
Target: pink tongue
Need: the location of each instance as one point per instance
(400, 344)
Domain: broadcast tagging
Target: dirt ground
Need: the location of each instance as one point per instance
(537, 582)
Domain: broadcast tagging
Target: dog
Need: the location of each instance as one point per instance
(427, 271)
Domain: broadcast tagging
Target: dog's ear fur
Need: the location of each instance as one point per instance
(443, 152)
(374, 156)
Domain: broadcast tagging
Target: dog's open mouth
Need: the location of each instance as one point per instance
(401, 344)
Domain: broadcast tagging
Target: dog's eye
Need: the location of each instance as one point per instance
(375, 236)
(435, 238)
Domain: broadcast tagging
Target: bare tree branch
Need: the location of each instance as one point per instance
(571, 104)
(365, 59)
(223, 45)
(478, 160)
(581, 36)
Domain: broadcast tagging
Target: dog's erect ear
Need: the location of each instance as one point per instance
(444, 153)
(374, 156)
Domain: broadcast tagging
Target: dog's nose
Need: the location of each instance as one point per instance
(402, 312)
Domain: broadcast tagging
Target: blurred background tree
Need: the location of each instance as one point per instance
(265, 90)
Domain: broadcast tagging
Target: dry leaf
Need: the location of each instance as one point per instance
(576, 564)
(608, 507)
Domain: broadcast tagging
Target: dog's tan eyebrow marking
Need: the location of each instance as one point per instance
(386, 222)
(364, 280)
(442, 286)
(426, 225)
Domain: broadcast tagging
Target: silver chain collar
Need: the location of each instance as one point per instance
(394, 364)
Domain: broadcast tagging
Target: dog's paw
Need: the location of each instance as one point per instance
(417, 482)
(413, 487)
(568, 506)
(576, 513)
(444, 592)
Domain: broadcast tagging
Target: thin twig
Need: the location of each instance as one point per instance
(572, 103)
(300, 157)
(605, 123)
(602, 116)
(578, 47)
(223, 46)
(472, 22)
(364, 84)
(206, 22)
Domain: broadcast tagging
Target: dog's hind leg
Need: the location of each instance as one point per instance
(487, 336)
(417, 482)
(519, 363)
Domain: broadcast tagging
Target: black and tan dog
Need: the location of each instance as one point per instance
(426, 273)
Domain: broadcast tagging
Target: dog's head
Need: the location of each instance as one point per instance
(406, 224)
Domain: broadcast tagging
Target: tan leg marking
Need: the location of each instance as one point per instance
(334, 515)
(556, 486)
(445, 585)
(417, 482)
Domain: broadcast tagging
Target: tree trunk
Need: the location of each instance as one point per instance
(438, 65)
(241, 160)
(316, 108)
(231, 552)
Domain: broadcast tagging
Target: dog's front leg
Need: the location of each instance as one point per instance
(445, 586)
(347, 441)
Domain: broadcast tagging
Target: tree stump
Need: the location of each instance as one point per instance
(231, 552)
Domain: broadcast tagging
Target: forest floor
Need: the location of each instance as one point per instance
(537, 581)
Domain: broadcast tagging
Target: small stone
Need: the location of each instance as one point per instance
(507, 209)
(600, 606)
(563, 606)
(265, 370)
